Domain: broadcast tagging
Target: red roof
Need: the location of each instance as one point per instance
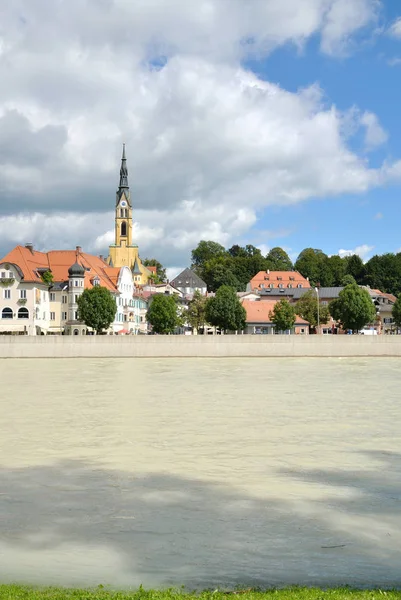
(258, 311)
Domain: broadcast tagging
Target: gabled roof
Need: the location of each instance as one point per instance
(275, 278)
(258, 311)
(135, 269)
(188, 278)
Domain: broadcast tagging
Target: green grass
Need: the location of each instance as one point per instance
(17, 592)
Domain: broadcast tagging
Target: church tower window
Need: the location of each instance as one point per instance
(123, 229)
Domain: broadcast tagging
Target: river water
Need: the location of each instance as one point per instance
(200, 472)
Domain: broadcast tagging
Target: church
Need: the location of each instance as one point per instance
(123, 253)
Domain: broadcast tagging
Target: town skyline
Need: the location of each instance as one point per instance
(277, 141)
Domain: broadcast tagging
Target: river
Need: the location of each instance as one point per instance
(200, 472)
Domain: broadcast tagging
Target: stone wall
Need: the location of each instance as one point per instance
(198, 346)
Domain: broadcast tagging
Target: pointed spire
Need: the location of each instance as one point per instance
(123, 171)
(135, 269)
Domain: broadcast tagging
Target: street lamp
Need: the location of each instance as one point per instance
(318, 314)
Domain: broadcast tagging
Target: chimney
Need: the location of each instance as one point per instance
(268, 271)
(30, 247)
(101, 257)
(78, 249)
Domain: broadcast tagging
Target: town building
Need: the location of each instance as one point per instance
(40, 292)
(258, 319)
(124, 253)
(277, 280)
(188, 282)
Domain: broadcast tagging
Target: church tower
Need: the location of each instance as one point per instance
(123, 218)
(123, 253)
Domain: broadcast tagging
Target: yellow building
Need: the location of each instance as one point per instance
(123, 252)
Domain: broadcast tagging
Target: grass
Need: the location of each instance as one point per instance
(17, 592)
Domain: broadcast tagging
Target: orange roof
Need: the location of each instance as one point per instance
(58, 262)
(152, 269)
(258, 311)
(275, 279)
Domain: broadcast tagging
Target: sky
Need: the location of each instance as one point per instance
(264, 122)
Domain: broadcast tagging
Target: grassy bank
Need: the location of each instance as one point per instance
(16, 592)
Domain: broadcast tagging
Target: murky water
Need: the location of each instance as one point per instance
(200, 472)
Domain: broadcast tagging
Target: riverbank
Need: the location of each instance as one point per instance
(199, 346)
(15, 592)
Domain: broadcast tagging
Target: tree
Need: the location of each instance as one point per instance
(336, 269)
(278, 260)
(97, 308)
(47, 277)
(397, 311)
(347, 280)
(217, 272)
(384, 273)
(204, 252)
(196, 314)
(306, 307)
(354, 266)
(353, 308)
(160, 270)
(311, 263)
(282, 315)
(225, 310)
(163, 313)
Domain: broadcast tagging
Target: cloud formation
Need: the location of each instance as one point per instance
(363, 251)
(210, 145)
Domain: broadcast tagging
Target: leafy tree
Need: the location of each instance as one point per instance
(163, 313)
(335, 266)
(384, 273)
(196, 314)
(354, 266)
(47, 277)
(311, 263)
(160, 270)
(397, 311)
(353, 308)
(205, 251)
(225, 310)
(283, 315)
(347, 280)
(97, 308)
(306, 307)
(277, 259)
(219, 271)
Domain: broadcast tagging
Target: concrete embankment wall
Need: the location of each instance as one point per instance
(198, 346)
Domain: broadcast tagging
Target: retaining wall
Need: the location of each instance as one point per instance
(198, 346)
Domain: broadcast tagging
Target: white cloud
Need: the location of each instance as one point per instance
(394, 62)
(363, 251)
(378, 216)
(395, 28)
(210, 145)
(374, 134)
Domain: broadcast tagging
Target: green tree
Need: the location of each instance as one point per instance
(225, 310)
(397, 311)
(196, 314)
(306, 307)
(282, 315)
(47, 278)
(384, 273)
(354, 266)
(353, 308)
(347, 280)
(97, 308)
(311, 263)
(163, 313)
(277, 259)
(335, 266)
(160, 270)
(205, 251)
(219, 271)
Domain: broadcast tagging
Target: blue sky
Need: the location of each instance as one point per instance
(292, 138)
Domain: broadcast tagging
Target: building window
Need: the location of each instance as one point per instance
(76, 315)
(290, 286)
(64, 299)
(22, 294)
(123, 229)
(3, 275)
(280, 285)
(23, 313)
(7, 294)
(271, 286)
(76, 283)
(64, 316)
(52, 297)
(299, 285)
(7, 313)
(52, 316)
(76, 298)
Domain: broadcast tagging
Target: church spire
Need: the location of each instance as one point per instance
(123, 186)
